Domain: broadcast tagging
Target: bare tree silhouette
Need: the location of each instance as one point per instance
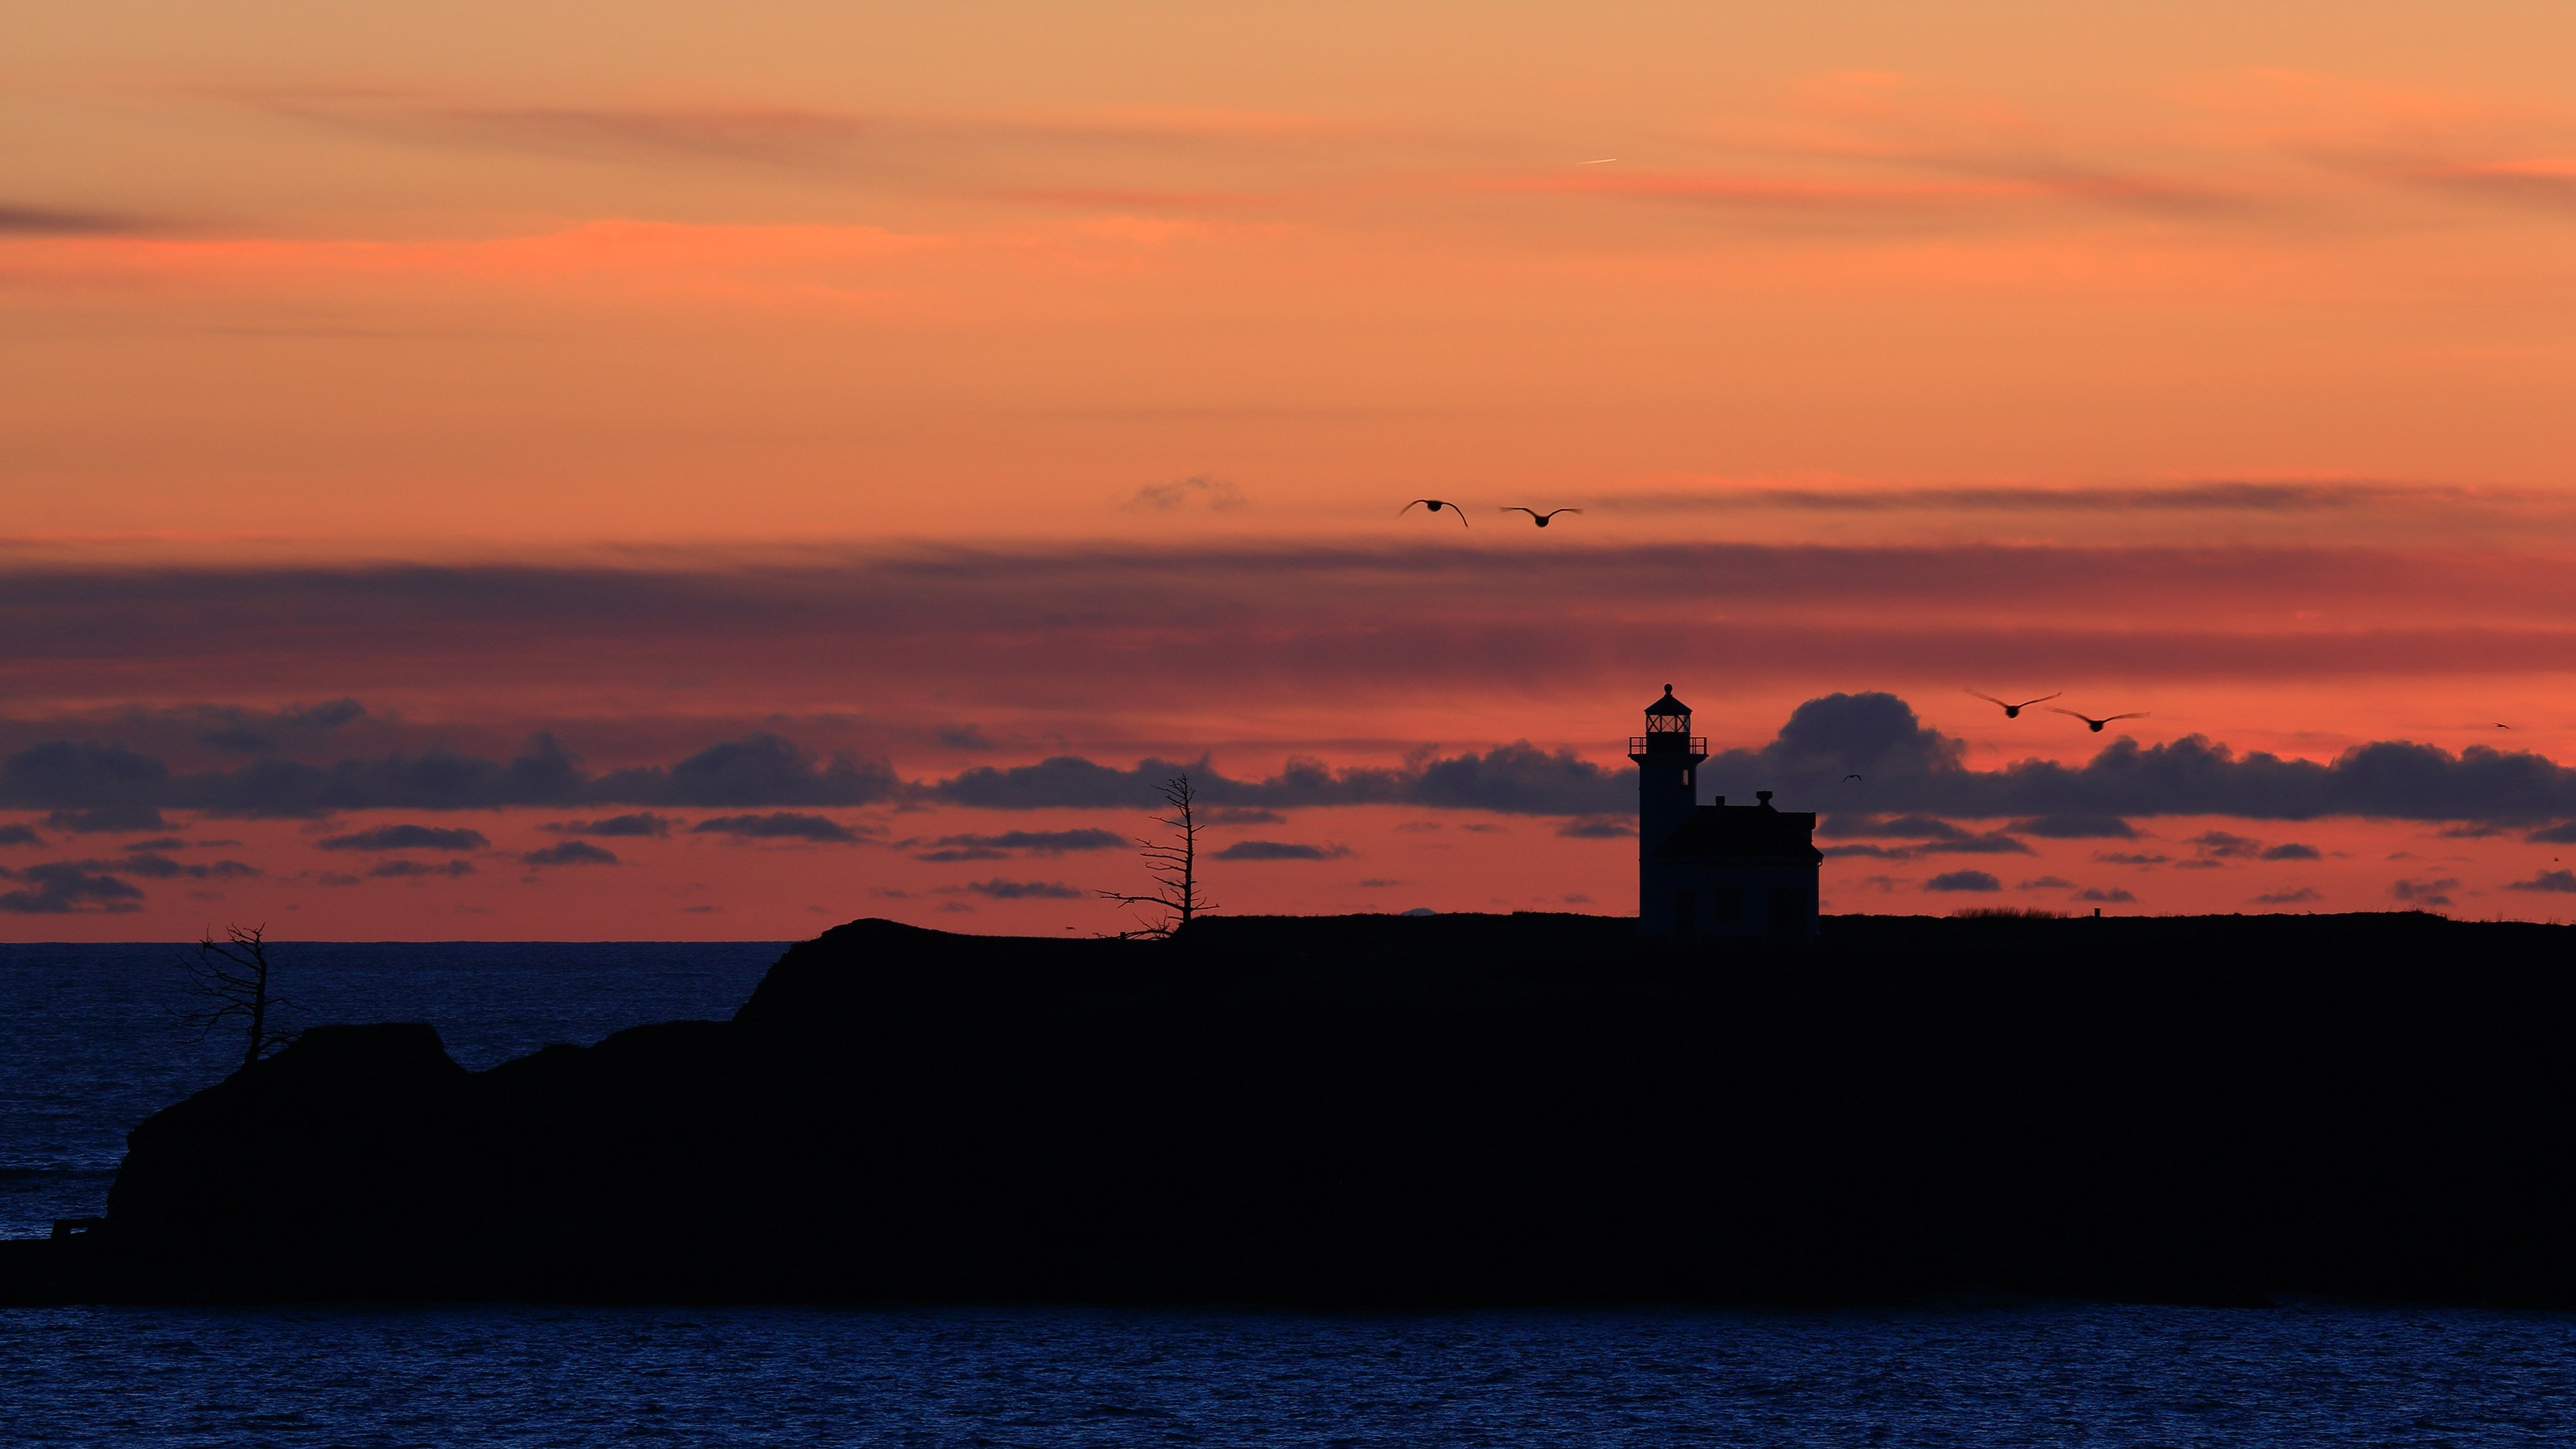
(232, 974)
(1173, 866)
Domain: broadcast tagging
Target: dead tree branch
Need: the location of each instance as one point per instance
(232, 976)
(1173, 865)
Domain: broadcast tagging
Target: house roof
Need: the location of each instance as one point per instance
(1744, 832)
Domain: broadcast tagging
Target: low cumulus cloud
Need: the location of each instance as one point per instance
(1910, 766)
(1937, 837)
(2424, 892)
(102, 785)
(645, 823)
(1963, 880)
(1247, 815)
(1021, 890)
(1513, 779)
(1038, 842)
(1916, 778)
(2074, 827)
(2299, 897)
(256, 732)
(409, 837)
(569, 852)
(20, 835)
(1281, 850)
(779, 825)
(66, 889)
(152, 865)
(2562, 882)
(118, 819)
(1598, 827)
(2554, 835)
(2114, 896)
(400, 869)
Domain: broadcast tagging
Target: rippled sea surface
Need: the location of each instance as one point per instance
(87, 1050)
(1968, 1375)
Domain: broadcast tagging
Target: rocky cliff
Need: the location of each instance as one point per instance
(1452, 1110)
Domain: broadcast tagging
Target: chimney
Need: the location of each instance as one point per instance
(1765, 797)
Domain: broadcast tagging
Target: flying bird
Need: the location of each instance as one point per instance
(1435, 505)
(1537, 517)
(1852, 777)
(2013, 711)
(2504, 727)
(2096, 724)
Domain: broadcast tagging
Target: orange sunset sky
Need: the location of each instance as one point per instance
(714, 471)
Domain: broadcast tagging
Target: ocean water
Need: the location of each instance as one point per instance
(87, 1049)
(1967, 1374)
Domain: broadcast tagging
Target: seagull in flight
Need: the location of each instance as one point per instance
(1852, 777)
(2013, 711)
(2097, 724)
(1537, 517)
(1434, 505)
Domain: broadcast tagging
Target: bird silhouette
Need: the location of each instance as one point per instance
(2504, 727)
(1535, 516)
(2013, 711)
(1853, 777)
(2096, 724)
(1435, 505)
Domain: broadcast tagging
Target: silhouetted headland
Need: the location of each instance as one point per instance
(1444, 1110)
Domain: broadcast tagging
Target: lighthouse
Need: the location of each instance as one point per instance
(1715, 870)
(1668, 759)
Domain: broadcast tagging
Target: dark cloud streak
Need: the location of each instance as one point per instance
(19, 219)
(2216, 496)
(1289, 619)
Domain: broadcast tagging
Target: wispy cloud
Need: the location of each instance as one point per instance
(18, 219)
(1094, 158)
(1286, 621)
(2215, 496)
(770, 134)
(1216, 494)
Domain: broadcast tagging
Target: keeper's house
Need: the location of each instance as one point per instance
(1715, 870)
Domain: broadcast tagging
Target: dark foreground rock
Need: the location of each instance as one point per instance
(1455, 1110)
